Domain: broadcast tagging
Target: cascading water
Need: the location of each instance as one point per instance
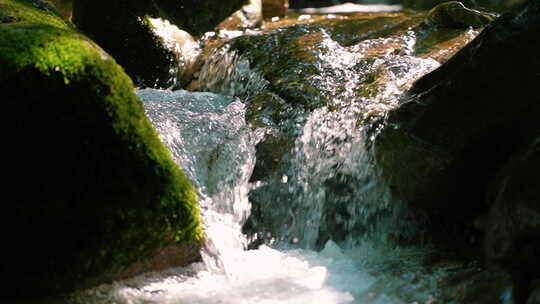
(326, 195)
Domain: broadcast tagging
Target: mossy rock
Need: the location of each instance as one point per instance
(455, 14)
(197, 16)
(91, 188)
(459, 123)
(293, 55)
(123, 30)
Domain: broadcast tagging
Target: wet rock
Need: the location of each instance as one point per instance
(512, 238)
(458, 124)
(274, 8)
(179, 43)
(91, 189)
(293, 67)
(455, 14)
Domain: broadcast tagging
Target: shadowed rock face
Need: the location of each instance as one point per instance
(512, 237)
(460, 123)
(122, 29)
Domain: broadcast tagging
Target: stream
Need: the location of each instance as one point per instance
(324, 227)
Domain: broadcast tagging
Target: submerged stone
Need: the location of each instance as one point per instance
(91, 188)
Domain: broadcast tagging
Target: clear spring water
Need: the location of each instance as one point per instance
(327, 188)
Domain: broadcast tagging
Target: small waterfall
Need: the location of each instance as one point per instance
(208, 136)
(328, 188)
(324, 219)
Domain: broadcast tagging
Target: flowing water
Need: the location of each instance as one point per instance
(325, 223)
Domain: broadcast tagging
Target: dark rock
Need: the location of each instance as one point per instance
(90, 189)
(534, 297)
(459, 123)
(123, 30)
(512, 237)
(274, 8)
(197, 16)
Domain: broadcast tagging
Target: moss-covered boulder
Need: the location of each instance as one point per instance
(512, 238)
(123, 29)
(197, 16)
(459, 123)
(89, 189)
(455, 14)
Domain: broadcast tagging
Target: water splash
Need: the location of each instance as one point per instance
(327, 182)
(228, 73)
(208, 137)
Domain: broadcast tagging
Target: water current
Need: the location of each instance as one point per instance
(325, 223)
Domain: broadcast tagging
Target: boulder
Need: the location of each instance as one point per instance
(90, 190)
(458, 124)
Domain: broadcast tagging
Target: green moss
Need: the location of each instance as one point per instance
(92, 189)
(31, 11)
